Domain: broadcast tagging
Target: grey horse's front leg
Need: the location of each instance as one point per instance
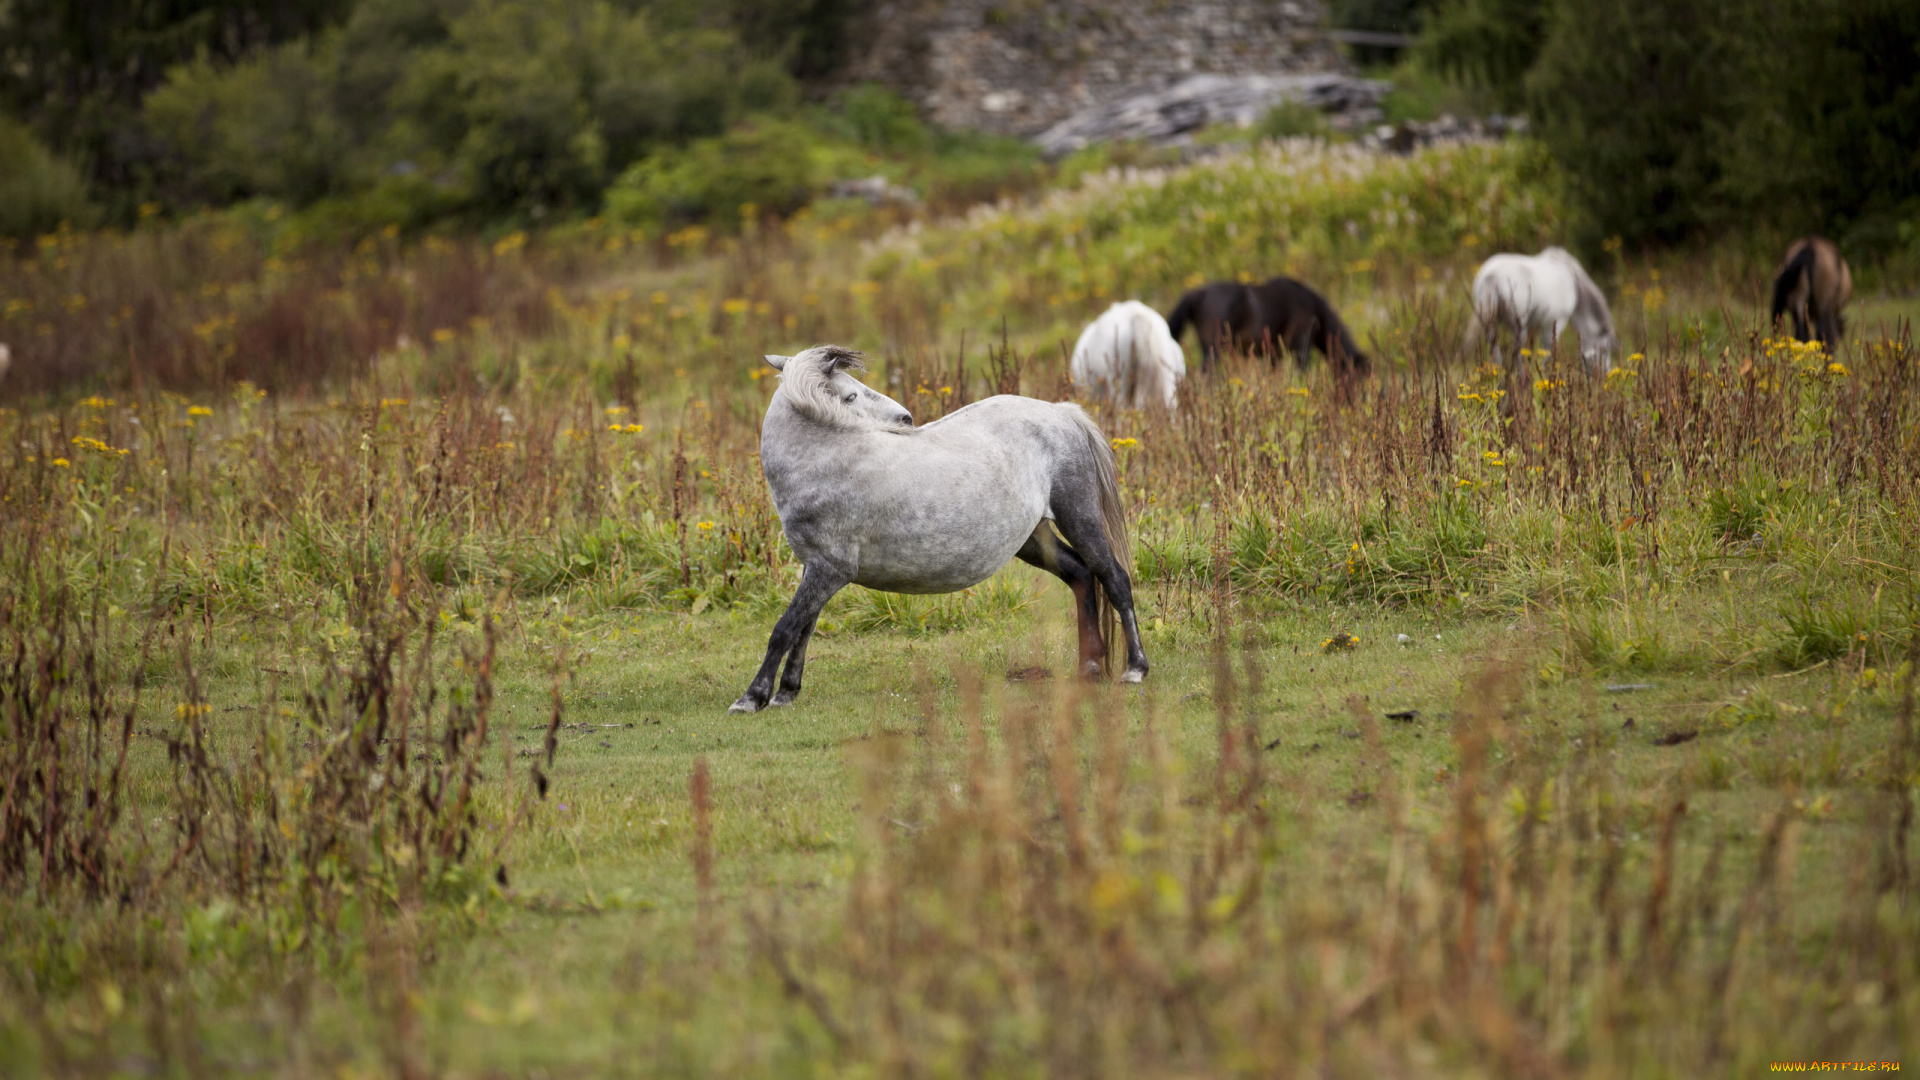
(818, 583)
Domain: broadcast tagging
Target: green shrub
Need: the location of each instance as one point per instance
(538, 108)
(261, 128)
(1489, 43)
(766, 165)
(1292, 118)
(876, 117)
(947, 167)
(38, 190)
(971, 166)
(418, 109)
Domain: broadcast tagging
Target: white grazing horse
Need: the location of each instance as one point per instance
(1529, 293)
(1129, 357)
(866, 498)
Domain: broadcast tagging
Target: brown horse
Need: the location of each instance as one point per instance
(1262, 318)
(1813, 282)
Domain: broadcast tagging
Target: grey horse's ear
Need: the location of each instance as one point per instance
(777, 362)
(840, 358)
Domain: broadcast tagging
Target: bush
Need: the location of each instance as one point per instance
(261, 128)
(517, 106)
(1291, 118)
(38, 190)
(764, 165)
(878, 118)
(1491, 44)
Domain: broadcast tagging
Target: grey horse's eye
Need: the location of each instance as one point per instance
(850, 398)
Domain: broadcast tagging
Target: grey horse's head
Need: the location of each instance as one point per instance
(1591, 315)
(1598, 354)
(817, 384)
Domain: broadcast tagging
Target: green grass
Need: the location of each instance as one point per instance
(600, 958)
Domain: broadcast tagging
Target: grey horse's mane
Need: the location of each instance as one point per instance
(1591, 298)
(807, 381)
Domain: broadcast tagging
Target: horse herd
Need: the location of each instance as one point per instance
(865, 497)
(1132, 357)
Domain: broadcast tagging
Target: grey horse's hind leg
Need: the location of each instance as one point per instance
(1080, 522)
(818, 583)
(796, 666)
(1044, 550)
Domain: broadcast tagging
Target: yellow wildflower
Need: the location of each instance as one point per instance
(1125, 444)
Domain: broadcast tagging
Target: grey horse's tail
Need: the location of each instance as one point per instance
(1113, 524)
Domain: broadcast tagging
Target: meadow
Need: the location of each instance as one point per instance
(371, 611)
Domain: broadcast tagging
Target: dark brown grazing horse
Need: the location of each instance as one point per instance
(1813, 283)
(1262, 318)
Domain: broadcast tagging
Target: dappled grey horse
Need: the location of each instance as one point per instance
(866, 498)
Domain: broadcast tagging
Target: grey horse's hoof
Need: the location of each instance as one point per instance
(784, 697)
(746, 704)
(1133, 675)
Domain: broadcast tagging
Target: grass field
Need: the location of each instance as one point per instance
(369, 634)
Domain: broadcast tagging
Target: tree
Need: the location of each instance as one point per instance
(1672, 118)
(78, 72)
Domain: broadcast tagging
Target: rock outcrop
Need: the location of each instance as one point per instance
(1200, 100)
(1021, 67)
